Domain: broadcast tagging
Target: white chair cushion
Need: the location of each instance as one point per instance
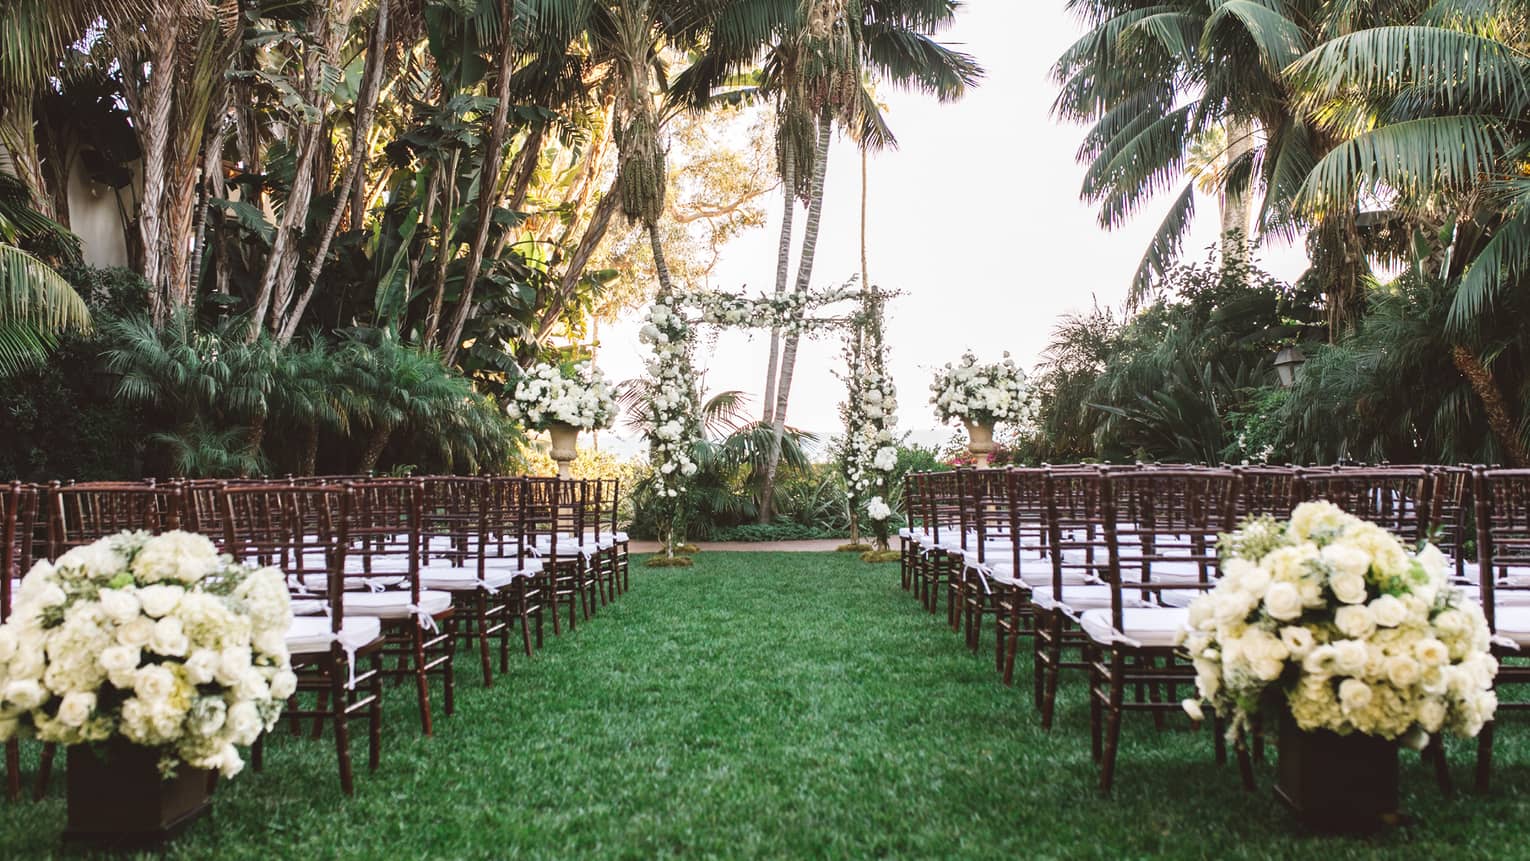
(317, 582)
(395, 605)
(1513, 623)
(1172, 571)
(465, 579)
(308, 606)
(1077, 599)
(1501, 597)
(622, 538)
(1035, 573)
(309, 634)
(1144, 626)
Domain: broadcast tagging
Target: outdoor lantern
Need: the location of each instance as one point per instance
(1288, 363)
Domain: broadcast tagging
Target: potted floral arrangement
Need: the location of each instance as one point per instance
(563, 399)
(979, 396)
(1357, 642)
(153, 659)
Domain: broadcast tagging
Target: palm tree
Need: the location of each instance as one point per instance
(393, 387)
(36, 303)
(1153, 80)
(1430, 117)
(818, 58)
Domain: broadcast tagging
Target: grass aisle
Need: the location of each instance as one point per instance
(776, 705)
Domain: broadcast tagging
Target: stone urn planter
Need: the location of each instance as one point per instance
(116, 795)
(980, 442)
(565, 447)
(1337, 783)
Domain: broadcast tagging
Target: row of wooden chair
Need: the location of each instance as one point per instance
(1095, 565)
(387, 576)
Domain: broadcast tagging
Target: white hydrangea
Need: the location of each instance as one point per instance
(574, 394)
(980, 394)
(1380, 642)
(147, 638)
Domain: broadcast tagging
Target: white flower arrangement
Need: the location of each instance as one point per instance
(980, 394)
(573, 393)
(158, 640)
(673, 409)
(785, 312)
(1355, 633)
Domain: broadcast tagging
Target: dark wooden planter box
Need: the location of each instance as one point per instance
(1338, 783)
(116, 795)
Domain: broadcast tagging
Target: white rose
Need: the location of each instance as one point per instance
(1431, 714)
(119, 605)
(136, 633)
(1344, 558)
(1349, 588)
(1192, 708)
(119, 659)
(1349, 657)
(202, 666)
(1354, 620)
(232, 664)
(283, 684)
(1298, 641)
(244, 723)
(8, 643)
(169, 638)
(29, 662)
(1433, 560)
(75, 708)
(160, 599)
(1402, 672)
(1388, 611)
(1431, 652)
(1283, 602)
(24, 694)
(96, 561)
(1354, 695)
(154, 684)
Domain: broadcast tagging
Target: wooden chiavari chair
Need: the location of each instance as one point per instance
(507, 503)
(83, 513)
(1502, 500)
(1450, 519)
(303, 531)
(552, 507)
(1026, 564)
(18, 518)
(1161, 527)
(418, 624)
(943, 521)
(986, 533)
(1395, 498)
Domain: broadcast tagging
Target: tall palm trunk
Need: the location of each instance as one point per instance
(375, 445)
(154, 140)
(1500, 419)
(789, 350)
(488, 179)
(366, 110)
(310, 450)
(783, 261)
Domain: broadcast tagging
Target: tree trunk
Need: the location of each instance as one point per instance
(783, 262)
(488, 180)
(789, 351)
(568, 284)
(1499, 418)
(310, 450)
(375, 445)
(154, 141)
(257, 433)
(443, 250)
(366, 110)
(1236, 203)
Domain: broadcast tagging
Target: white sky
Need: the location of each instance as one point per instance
(975, 218)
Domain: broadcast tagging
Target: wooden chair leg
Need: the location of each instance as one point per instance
(1434, 754)
(1112, 723)
(44, 771)
(341, 720)
(13, 770)
(481, 620)
(374, 716)
(421, 683)
(1485, 756)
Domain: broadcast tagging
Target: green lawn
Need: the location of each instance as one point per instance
(780, 705)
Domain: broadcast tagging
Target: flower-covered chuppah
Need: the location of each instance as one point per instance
(151, 644)
(1335, 623)
(980, 396)
(868, 452)
(671, 400)
(563, 399)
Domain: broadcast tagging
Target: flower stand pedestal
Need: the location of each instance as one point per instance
(565, 447)
(116, 795)
(980, 443)
(1337, 783)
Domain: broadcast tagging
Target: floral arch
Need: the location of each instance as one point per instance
(673, 399)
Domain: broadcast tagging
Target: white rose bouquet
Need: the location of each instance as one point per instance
(157, 640)
(1339, 621)
(572, 393)
(979, 394)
